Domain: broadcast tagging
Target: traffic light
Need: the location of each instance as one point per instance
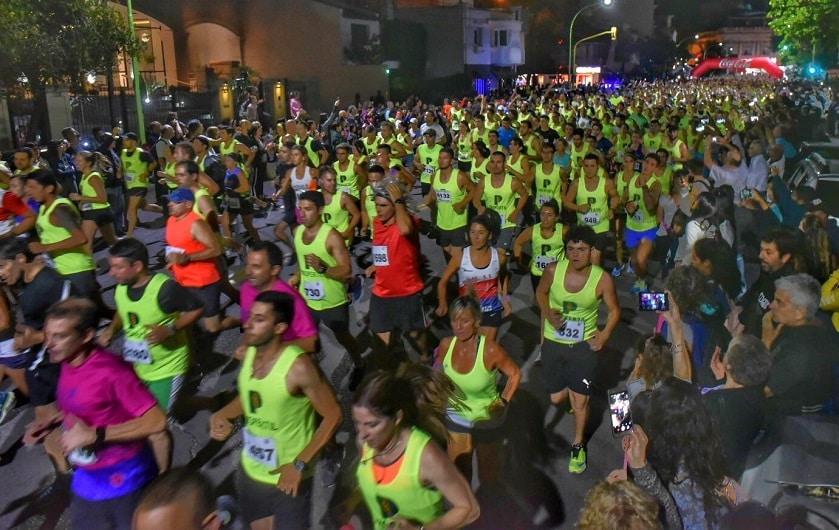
(614, 33)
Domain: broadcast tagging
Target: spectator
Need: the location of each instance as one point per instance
(803, 352)
(739, 406)
(618, 504)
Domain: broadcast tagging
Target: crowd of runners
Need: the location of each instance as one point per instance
(677, 185)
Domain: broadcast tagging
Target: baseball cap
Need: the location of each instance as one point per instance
(414, 120)
(817, 205)
(182, 195)
(456, 126)
(131, 136)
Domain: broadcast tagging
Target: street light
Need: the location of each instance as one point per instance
(571, 62)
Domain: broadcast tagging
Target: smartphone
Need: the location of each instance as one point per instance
(714, 139)
(619, 411)
(653, 302)
(745, 193)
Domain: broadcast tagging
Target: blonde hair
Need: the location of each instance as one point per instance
(619, 505)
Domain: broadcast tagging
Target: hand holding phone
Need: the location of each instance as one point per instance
(653, 301)
(619, 412)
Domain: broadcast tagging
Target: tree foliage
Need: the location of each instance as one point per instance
(49, 42)
(805, 24)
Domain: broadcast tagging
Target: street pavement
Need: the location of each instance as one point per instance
(537, 491)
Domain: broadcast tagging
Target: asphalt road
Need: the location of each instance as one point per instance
(537, 490)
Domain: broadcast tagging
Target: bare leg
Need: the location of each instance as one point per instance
(247, 220)
(579, 403)
(460, 452)
(89, 231)
(108, 233)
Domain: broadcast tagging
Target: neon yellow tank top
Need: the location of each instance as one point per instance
(278, 425)
(447, 196)
(428, 157)
(501, 199)
(479, 170)
(642, 220)
(405, 496)
(335, 216)
(134, 170)
(597, 216)
(478, 385)
(86, 190)
(320, 291)
(67, 261)
(545, 250)
(347, 179)
(579, 309)
(547, 184)
(167, 359)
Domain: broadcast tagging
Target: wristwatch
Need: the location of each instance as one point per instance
(322, 268)
(300, 465)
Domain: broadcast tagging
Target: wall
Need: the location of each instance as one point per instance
(445, 38)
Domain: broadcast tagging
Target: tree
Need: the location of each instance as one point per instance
(808, 27)
(46, 43)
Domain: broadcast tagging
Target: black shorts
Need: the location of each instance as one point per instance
(258, 500)
(42, 380)
(464, 166)
(454, 238)
(137, 192)
(601, 241)
(85, 285)
(209, 296)
(245, 206)
(405, 313)
(425, 188)
(570, 366)
(335, 318)
(492, 319)
(101, 217)
(482, 432)
(110, 514)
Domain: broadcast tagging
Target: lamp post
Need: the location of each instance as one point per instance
(135, 69)
(571, 59)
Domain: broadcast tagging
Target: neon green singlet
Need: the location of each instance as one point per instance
(428, 157)
(134, 169)
(370, 207)
(405, 496)
(479, 168)
(597, 216)
(547, 184)
(642, 220)
(501, 199)
(447, 196)
(320, 291)
(151, 362)
(278, 425)
(545, 250)
(579, 309)
(86, 190)
(478, 384)
(335, 216)
(68, 261)
(347, 179)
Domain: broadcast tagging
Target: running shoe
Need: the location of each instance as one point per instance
(577, 464)
(7, 403)
(640, 286)
(617, 271)
(629, 269)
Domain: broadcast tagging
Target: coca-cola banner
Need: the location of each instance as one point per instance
(738, 64)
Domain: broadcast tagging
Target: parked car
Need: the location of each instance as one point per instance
(811, 169)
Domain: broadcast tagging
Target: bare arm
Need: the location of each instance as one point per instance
(443, 284)
(519, 188)
(337, 249)
(498, 358)
(606, 289)
(355, 216)
(440, 472)
(202, 233)
(64, 217)
(305, 377)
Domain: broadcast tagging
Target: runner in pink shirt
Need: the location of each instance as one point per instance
(264, 264)
(107, 417)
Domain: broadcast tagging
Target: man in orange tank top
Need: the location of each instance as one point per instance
(191, 252)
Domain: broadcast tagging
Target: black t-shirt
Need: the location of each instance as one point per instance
(740, 414)
(38, 295)
(803, 358)
(172, 298)
(548, 136)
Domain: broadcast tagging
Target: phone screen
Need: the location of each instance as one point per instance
(619, 412)
(653, 302)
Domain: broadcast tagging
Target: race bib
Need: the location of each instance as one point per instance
(380, 257)
(130, 177)
(314, 290)
(542, 262)
(574, 331)
(86, 206)
(260, 449)
(234, 203)
(637, 216)
(347, 190)
(591, 218)
(444, 196)
(136, 351)
(428, 170)
(7, 348)
(542, 199)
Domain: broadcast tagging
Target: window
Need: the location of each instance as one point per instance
(499, 38)
(478, 37)
(359, 34)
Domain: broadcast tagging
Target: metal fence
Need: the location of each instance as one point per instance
(106, 112)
